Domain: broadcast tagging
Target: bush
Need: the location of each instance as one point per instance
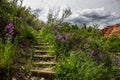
(114, 43)
(79, 66)
(27, 32)
(7, 53)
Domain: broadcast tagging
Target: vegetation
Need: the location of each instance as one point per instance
(17, 34)
(82, 52)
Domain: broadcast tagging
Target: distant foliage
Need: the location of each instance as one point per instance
(114, 43)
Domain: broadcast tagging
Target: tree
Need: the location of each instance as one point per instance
(53, 17)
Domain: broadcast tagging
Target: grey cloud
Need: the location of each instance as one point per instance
(94, 16)
(95, 13)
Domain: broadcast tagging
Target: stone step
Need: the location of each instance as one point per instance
(42, 71)
(43, 56)
(43, 46)
(44, 63)
(41, 43)
(42, 51)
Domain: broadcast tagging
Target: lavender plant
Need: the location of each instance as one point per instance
(62, 42)
(9, 30)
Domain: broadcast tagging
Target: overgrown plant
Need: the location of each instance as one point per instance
(79, 66)
(7, 52)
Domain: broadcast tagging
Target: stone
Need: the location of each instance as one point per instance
(14, 78)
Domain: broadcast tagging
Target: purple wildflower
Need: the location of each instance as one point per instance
(113, 79)
(56, 37)
(60, 37)
(116, 58)
(67, 36)
(11, 34)
(93, 53)
(9, 26)
(63, 40)
(97, 60)
(55, 31)
(9, 29)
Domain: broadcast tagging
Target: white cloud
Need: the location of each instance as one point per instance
(110, 14)
(94, 16)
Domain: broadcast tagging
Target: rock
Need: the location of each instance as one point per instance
(42, 79)
(14, 78)
(113, 29)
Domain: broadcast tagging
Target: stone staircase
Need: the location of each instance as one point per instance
(43, 61)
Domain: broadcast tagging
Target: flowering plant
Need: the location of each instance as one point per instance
(9, 29)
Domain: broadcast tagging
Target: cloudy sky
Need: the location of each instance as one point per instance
(103, 12)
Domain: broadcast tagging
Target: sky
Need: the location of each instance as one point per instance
(101, 12)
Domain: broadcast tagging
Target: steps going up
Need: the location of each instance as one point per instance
(43, 67)
(42, 51)
(43, 71)
(44, 63)
(44, 56)
(43, 46)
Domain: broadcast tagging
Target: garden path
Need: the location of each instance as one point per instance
(43, 61)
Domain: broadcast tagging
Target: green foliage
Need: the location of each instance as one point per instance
(114, 43)
(92, 50)
(26, 67)
(13, 12)
(46, 35)
(84, 55)
(79, 66)
(7, 52)
(25, 23)
(28, 32)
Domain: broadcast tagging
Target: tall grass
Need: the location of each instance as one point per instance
(7, 52)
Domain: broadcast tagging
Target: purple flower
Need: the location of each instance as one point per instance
(55, 31)
(63, 40)
(97, 60)
(9, 29)
(67, 36)
(60, 37)
(56, 37)
(116, 58)
(113, 79)
(93, 53)
(9, 26)
(12, 33)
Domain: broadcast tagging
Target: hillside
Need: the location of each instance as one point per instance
(56, 50)
(112, 29)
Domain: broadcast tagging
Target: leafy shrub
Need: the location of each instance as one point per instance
(114, 43)
(7, 53)
(46, 35)
(79, 66)
(28, 33)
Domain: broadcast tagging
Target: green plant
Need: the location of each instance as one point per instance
(114, 43)
(7, 52)
(28, 32)
(7, 56)
(26, 67)
(79, 66)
